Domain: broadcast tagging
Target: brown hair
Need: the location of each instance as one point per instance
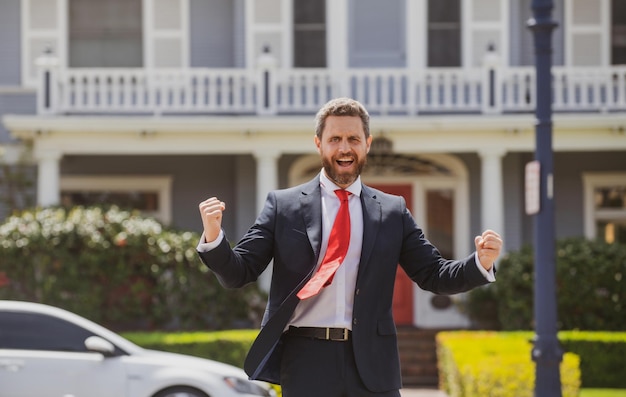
(341, 107)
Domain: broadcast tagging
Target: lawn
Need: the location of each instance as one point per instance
(602, 392)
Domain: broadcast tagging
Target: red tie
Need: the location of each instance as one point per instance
(338, 242)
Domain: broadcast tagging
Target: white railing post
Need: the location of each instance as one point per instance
(491, 95)
(47, 91)
(266, 83)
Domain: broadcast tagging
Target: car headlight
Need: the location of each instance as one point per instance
(244, 386)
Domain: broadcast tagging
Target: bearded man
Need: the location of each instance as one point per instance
(336, 243)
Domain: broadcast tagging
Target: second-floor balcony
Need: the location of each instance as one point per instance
(270, 90)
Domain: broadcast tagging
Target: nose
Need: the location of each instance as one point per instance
(344, 146)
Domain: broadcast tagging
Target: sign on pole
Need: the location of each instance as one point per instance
(533, 199)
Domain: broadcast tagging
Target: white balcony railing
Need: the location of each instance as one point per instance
(268, 90)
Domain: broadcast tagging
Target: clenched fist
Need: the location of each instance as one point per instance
(211, 212)
(488, 247)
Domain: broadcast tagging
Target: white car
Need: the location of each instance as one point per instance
(50, 352)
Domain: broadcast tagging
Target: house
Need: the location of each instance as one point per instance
(159, 104)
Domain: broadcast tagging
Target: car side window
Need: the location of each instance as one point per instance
(35, 331)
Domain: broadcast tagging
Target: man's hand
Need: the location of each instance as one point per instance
(211, 212)
(488, 247)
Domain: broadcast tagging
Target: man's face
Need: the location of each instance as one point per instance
(343, 148)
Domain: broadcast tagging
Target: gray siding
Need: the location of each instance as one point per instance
(472, 162)
(212, 33)
(568, 186)
(10, 43)
(246, 194)
(15, 103)
(191, 181)
(517, 229)
(568, 170)
(521, 37)
(240, 34)
(568, 192)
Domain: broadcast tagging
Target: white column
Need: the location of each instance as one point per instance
(492, 195)
(416, 34)
(266, 181)
(48, 178)
(337, 34)
(266, 175)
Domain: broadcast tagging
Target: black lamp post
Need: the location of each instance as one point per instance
(546, 351)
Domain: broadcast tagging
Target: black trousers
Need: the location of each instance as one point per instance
(316, 368)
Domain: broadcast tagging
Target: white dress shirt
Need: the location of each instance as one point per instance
(332, 307)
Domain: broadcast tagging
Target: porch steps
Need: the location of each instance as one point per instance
(418, 356)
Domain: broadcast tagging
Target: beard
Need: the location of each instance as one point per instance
(343, 178)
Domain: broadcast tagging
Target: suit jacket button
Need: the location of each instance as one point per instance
(354, 321)
(357, 291)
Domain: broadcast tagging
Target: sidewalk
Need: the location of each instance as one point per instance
(412, 392)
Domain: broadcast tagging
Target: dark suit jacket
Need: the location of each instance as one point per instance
(289, 229)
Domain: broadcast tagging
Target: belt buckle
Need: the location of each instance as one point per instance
(343, 338)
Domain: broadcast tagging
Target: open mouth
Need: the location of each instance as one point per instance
(345, 162)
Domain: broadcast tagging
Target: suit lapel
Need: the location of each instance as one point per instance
(311, 209)
(372, 215)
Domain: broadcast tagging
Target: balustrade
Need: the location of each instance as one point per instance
(269, 90)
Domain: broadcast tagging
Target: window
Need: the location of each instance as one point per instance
(618, 32)
(146, 201)
(605, 207)
(444, 33)
(24, 331)
(149, 194)
(309, 37)
(105, 33)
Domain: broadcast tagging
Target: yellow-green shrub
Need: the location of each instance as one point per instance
(477, 364)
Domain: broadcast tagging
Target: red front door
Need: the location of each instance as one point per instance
(403, 291)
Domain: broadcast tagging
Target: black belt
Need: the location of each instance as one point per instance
(333, 334)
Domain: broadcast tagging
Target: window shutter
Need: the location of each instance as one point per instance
(485, 23)
(166, 33)
(268, 27)
(586, 27)
(44, 28)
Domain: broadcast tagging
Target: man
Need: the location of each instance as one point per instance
(334, 335)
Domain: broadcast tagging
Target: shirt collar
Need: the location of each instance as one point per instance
(330, 187)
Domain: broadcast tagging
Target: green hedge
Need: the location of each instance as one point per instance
(602, 357)
(228, 347)
(591, 289)
(478, 364)
(120, 269)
